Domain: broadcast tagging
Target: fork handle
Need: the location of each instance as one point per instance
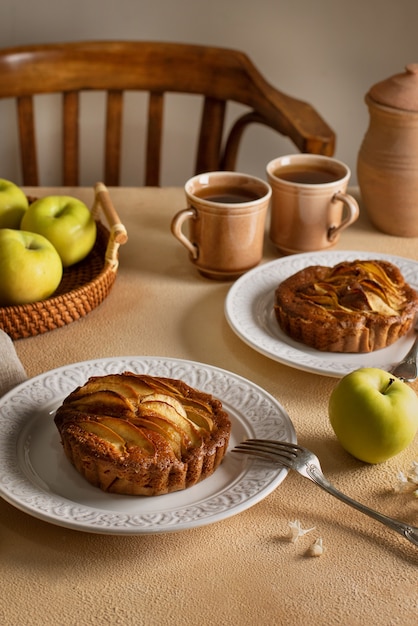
(406, 530)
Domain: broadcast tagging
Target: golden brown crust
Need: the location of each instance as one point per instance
(142, 435)
(357, 306)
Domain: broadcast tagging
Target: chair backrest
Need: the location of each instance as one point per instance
(219, 75)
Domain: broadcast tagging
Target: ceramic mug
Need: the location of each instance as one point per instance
(226, 216)
(309, 205)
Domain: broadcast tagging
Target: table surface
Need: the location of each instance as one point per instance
(244, 569)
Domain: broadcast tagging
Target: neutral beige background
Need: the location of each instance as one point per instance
(328, 52)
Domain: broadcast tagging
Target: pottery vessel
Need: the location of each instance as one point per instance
(387, 166)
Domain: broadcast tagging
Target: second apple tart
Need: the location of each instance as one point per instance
(356, 306)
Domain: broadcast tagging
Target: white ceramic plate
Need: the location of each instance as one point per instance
(36, 477)
(249, 311)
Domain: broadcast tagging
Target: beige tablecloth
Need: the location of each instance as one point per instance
(241, 570)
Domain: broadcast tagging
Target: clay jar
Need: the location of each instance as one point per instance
(387, 166)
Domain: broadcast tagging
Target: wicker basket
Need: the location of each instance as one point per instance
(83, 286)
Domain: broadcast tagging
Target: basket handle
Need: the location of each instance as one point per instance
(118, 234)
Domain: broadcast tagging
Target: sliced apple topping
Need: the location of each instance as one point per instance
(138, 383)
(107, 401)
(104, 433)
(132, 435)
(128, 386)
(162, 397)
(119, 388)
(199, 416)
(360, 286)
(160, 385)
(170, 409)
(166, 429)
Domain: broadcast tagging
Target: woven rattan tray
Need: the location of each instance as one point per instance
(83, 286)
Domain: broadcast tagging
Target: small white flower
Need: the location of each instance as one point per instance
(316, 548)
(413, 473)
(297, 531)
(407, 482)
(402, 483)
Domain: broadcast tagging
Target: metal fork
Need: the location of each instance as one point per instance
(407, 369)
(305, 462)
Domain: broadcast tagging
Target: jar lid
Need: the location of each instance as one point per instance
(399, 91)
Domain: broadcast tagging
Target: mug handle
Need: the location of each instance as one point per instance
(176, 229)
(353, 212)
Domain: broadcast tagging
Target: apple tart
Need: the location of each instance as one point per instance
(357, 306)
(142, 435)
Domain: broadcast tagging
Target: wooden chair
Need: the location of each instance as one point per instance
(219, 75)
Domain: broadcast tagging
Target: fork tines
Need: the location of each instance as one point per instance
(282, 451)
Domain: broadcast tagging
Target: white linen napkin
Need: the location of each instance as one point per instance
(11, 369)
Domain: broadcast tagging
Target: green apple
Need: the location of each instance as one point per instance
(13, 204)
(374, 414)
(66, 222)
(30, 267)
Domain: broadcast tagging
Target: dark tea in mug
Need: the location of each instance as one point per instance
(305, 175)
(227, 195)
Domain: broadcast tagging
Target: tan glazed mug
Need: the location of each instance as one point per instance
(309, 205)
(226, 216)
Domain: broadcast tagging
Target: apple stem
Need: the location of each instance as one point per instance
(390, 382)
